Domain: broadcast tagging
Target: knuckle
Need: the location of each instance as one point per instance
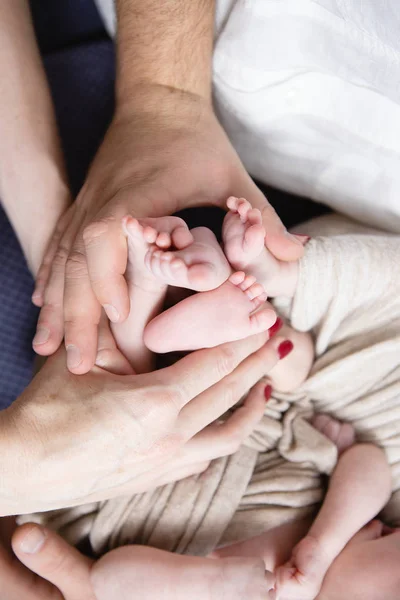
(226, 360)
(96, 230)
(76, 265)
(60, 257)
(58, 560)
(174, 397)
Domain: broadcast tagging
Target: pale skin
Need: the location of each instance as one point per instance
(230, 305)
(366, 567)
(41, 427)
(164, 151)
(243, 570)
(33, 185)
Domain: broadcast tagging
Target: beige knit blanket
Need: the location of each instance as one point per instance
(349, 297)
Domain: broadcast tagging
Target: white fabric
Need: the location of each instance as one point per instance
(308, 93)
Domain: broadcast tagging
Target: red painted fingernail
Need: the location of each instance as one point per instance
(267, 392)
(285, 348)
(275, 327)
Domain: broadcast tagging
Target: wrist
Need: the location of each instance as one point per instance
(160, 103)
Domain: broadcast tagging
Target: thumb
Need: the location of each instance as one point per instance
(49, 556)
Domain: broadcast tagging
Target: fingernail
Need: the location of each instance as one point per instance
(275, 327)
(33, 541)
(267, 392)
(285, 348)
(42, 335)
(111, 312)
(73, 357)
(36, 296)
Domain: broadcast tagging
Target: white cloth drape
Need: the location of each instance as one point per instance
(308, 91)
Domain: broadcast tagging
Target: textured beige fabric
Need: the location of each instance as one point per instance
(349, 297)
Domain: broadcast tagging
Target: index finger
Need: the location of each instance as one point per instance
(200, 370)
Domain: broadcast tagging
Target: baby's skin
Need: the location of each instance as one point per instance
(322, 560)
(233, 284)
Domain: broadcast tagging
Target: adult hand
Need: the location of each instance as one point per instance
(69, 440)
(36, 564)
(59, 572)
(163, 152)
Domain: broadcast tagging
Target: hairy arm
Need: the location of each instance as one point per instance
(33, 187)
(167, 44)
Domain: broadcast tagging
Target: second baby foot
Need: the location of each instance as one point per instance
(200, 266)
(146, 292)
(243, 236)
(207, 319)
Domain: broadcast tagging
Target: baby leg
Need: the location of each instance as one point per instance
(200, 266)
(146, 291)
(225, 314)
(244, 244)
(359, 488)
(162, 575)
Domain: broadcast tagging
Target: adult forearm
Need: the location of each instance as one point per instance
(33, 186)
(167, 44)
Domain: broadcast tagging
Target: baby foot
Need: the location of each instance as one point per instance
(142, 234)
(225, 314)
(179, 577)
(244, 244)
(301, 578)
(341, 434)
(200, 266)
(289, 374)
(146, 292)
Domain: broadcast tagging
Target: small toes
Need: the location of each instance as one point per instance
(243, 209)
(150, 234)
(177, 264)
(163, 240)
(254, 217)
(248, 281)
(181, 237)
(132, 226)
(254, 291)
(232, 203)
(237, 278)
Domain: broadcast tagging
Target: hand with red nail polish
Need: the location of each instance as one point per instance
(285, 348)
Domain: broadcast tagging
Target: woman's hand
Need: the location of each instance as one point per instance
(74, 439)
(163, 152)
